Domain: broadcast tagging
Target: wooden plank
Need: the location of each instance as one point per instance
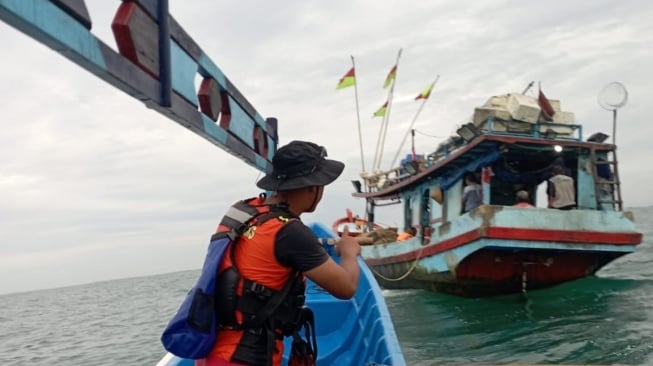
(137, 37)
(179, 35)
(76, 9)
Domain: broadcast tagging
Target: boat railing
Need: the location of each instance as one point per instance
(496, 126)
(539, 129)
(379, 180)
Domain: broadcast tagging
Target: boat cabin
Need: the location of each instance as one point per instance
(505, 150)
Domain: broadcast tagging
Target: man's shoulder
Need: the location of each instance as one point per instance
(560, 177)
(294, 226)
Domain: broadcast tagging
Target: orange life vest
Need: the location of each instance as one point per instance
(257, 277)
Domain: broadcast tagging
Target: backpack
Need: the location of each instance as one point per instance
(192, 331)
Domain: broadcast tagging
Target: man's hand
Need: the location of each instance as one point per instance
(340, 280)
(347, 246)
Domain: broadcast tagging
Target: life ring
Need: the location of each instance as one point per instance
(360, 225)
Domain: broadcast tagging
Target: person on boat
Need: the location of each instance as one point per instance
(276, 251)
(472, 193)
(605, 176)
(560, 189)
(522, 199)
(409, 233)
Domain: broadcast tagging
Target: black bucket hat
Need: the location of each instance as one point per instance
(300, 164)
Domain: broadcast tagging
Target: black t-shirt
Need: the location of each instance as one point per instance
(297, 247)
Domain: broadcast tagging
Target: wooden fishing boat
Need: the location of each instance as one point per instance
(353, 332)
(499, 248)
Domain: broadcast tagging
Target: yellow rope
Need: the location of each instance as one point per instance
(410, 270)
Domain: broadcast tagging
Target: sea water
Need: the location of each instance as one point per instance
(606, 319)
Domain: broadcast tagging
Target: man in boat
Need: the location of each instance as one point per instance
(560, 189)
(275, 251)
(472, 193)
(522, 199)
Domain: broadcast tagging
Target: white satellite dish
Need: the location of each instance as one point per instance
(612, 97)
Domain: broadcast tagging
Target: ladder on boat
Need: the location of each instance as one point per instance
(605, 171)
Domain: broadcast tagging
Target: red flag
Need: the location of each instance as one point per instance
(486, 175)
(547, 108)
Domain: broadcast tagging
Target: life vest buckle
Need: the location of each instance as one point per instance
(256, 331)
(257, 289)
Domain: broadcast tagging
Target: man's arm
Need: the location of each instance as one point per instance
(341, 280)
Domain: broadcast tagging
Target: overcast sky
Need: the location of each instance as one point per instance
(94, 186)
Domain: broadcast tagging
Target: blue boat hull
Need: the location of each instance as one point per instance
(357, 331)
(497, 250)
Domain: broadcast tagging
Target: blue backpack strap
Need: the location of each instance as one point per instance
(191, 333)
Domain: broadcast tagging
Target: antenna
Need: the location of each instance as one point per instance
(612, 97)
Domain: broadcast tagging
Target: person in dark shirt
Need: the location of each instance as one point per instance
(271, 252)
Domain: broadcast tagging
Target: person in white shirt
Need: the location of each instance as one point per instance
(560, 189)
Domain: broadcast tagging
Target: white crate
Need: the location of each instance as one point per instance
(481, 114)
(564, 117)
(523, 108)
(555, 104)
(497, 101)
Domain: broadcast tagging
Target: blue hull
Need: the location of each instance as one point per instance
(357, 331)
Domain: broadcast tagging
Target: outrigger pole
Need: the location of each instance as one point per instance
(410, 128)
(386, 119)
(157, 63)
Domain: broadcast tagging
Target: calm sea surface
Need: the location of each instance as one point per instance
(607, 319)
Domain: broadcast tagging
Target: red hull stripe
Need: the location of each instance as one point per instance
(506, 233)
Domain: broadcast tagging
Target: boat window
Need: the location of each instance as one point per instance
(502, 193)
(517, 173)
(472, 195)
(408, 214)
(425, 209)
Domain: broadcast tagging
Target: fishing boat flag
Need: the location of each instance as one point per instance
(381, 111)
(348, 80)
(426, 93)
(547, 108)
(391, 76)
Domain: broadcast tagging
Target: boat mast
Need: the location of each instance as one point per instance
(386, 119)
(358, 117)
(410, 128)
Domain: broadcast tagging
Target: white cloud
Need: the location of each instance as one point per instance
(93, 185)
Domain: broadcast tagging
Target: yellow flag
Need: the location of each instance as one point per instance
(348, 80)
(381, 111)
